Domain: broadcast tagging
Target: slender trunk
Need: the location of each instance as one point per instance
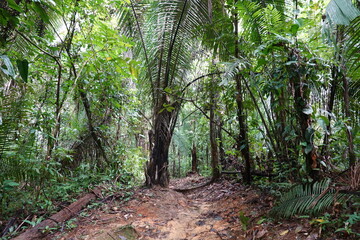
(352, 155)
(174, 162)
(194, 161)
(213, 141)
(53, 141)
(221, 144)
(207, 155)
(91, 127)
(243, 144)
(179, 163)
(329, 109)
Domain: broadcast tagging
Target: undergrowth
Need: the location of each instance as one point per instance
(23, 205)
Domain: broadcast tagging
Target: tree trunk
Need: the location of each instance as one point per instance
(221, 144)
(194, 161)
(242, 143)
(179, 164)
(214, 147)
(302, 108)
(174, 162)
(329, 109)
(352, 155)
(91, 127)
(213, 139)
(157, 168)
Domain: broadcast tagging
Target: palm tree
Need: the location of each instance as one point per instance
(166, 30)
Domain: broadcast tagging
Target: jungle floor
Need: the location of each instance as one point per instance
(222, 210)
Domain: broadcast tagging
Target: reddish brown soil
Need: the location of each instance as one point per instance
(210, 212)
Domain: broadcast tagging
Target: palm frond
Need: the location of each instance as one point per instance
(353, 48)
(307, 199)
(167, 30)
(341, 12)
(260, 17)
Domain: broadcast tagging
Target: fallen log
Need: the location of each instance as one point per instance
(37, 232)
(186, 190)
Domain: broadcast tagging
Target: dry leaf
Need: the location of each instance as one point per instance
(260, 234)
(284, 232)
(298, 229)
(313, 236)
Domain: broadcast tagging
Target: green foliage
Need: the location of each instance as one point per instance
(244, 220)
(307, 199)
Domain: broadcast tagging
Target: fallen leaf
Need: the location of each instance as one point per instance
(284, 232)
(298, 229)
(260, 234)
(313, 236)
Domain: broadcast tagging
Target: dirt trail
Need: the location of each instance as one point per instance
(211, 212)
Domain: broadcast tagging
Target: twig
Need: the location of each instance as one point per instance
(198, 78)
(22, 223)
(111, 236)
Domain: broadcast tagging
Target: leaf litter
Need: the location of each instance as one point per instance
(222, 210)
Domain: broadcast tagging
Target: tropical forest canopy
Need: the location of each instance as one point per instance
(141, 91)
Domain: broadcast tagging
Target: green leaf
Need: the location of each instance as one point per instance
(308, 148)
(341, 12)
(290, 62)
(14, 6)
(323, 122)
(7, 68)
(294, 29)
(41, 12)
(10, 183)
(23, 67)
(307, 110)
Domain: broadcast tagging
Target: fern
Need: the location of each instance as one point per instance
(307, 199)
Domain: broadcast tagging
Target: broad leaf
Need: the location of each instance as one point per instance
(7, 66)
(341, 12)
(23, 67)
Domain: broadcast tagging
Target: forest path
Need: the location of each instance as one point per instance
(210, 212)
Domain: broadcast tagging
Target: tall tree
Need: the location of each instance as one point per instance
(165, 30)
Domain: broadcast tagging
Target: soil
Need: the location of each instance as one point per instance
(222, 210)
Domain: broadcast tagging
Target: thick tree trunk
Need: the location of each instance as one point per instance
(157, 168)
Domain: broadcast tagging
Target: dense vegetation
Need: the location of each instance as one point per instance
(129, 92)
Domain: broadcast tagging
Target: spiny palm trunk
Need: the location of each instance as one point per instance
(157, 168)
